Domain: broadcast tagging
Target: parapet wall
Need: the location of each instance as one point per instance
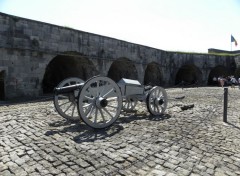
(214, 51)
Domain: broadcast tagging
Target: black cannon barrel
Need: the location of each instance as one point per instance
(67, 89)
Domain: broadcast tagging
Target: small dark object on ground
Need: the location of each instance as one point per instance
(186, 107)
(179, 98)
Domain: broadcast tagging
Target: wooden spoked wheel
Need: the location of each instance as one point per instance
(66, 103)
(100, 102)
(157, 100)
(129, 103)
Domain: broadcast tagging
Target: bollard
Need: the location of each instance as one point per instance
(225, 104)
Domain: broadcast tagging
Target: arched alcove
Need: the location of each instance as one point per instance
(153, 75)
(237, 72)
(64, 66)
(216, 72)
(2, 85)
(189, 74)
(122, 68)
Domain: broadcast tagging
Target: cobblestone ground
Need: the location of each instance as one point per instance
(35, 140)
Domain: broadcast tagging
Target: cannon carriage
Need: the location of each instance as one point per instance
(99, 100)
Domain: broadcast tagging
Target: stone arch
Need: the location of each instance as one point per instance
(2, 85)
(190, 74)
(232, 68)
(64, 66)
(237, 72)
(153, 74)
(217, 71)
(122, 68)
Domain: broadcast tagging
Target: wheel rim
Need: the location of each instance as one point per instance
(66, 104)
(129, 103)
(100, 102)
(157, 101)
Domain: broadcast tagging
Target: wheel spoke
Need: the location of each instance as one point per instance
(112, 106)
(89, 107)
(157, 94)
(89, 98)
(132, 103)
(99, 102)
(90, 112)
(73, 109)
(65, 103)
(101, 92)
(107, 112)
(68, 108)
(85, 106)
(108, 93)
(157, 109)
(112, 99)
(63, 96)
(161, 108)
(102, 115)
(95, 119)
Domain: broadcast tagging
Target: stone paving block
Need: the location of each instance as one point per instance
(35, 174)
(231, 173)
(174, 161)
(170, 165)
(3, 167)
(182, 171)
(91, 169)
(82, 163)
(151, 164)
(54, 171)
(141, 172)
(76, 168)
(131, 159)
(45, 163)
(61, 174)
(88, 174)
(194, 174)
(96, 173)
(5, 158)
(188, 140)
(210, 171)
(6, 173)
(157, 173)
(159, 161)
(202, 168)
(57, 163)
(209, 165)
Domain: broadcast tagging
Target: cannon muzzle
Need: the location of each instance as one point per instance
(67, 89)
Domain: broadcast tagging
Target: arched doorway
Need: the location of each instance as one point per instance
(2, 85)
(237, 73)
(64, 66)
(153, 75)
(217, 72)
(189, 74)
(122, 68)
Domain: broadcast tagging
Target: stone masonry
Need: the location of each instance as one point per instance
(27, 48)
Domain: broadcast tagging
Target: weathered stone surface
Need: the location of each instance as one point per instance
(190, 142)
(32, 49)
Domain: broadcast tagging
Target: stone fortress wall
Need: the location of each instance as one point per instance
(36, 56)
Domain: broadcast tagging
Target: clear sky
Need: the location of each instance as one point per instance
(174, 25)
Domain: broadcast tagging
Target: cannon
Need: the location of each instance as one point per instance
(99, 100)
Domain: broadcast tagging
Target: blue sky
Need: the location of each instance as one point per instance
(174, 25)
